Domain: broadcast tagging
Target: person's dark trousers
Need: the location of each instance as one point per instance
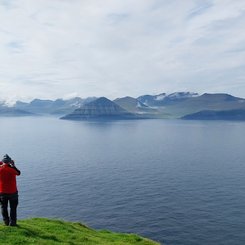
(12, 200)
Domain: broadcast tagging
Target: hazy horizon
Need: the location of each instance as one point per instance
(123, 96)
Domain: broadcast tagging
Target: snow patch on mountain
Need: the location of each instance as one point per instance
(179, 95)
(138, 104)
(160, 97)
(76, 104)
(141, 105)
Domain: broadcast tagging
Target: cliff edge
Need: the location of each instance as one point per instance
(49, 231)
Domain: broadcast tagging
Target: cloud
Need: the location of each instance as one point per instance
(200, 8)
(116, 48)
(15, 47)
(7, 4)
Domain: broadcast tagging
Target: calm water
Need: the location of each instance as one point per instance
(178, 182)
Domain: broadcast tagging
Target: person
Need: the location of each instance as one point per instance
(8, 190)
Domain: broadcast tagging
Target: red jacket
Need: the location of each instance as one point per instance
(8, 179)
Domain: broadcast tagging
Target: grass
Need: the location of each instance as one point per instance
(42, 231)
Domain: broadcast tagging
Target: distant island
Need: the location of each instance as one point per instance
(49, 231)
(178, 105)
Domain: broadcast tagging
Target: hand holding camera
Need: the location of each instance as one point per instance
(11, 164)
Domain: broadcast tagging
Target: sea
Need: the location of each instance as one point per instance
(177, 182)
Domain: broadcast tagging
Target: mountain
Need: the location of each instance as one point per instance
(140, 109)
(12, 112)
(216, 102)
(6, 111)
(165, 99)
(59, 106)
(35, 106)
(101, 108)
(180, 104)
(238, 115)
(69, 105)
(133, 105)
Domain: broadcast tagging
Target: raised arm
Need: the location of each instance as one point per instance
(13, 168)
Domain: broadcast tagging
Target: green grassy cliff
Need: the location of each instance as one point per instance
(47, 231)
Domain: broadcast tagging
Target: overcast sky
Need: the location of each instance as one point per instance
(113, 48)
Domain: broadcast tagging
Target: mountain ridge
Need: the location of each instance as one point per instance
(174, 105)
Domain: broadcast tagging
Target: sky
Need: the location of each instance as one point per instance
(65, 48)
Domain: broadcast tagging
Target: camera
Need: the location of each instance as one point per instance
(11, 163)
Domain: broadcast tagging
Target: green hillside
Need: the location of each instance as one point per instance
(45, 231)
